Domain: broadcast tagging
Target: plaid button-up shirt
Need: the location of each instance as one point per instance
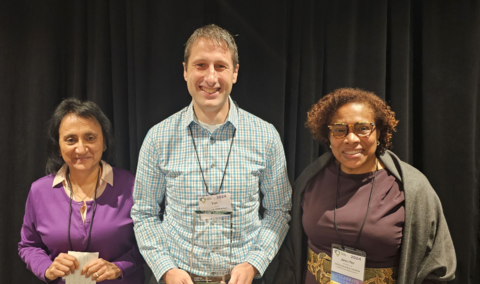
(168, 169)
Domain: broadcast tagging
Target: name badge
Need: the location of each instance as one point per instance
(214, 206)
(348, 265)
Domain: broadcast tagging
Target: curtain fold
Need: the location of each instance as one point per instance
(422, 57)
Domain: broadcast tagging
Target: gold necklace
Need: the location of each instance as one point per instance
(83, 208)
(86, 194)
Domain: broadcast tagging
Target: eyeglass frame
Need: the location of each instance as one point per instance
(348, 128)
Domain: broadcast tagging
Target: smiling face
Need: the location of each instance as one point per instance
(355, 154)
(210, 75)
(81, 143)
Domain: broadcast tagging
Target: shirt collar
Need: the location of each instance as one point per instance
(232, 116)
(107, 174)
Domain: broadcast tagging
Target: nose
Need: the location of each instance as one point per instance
(351, 137)
(81, 148)
(211, 76)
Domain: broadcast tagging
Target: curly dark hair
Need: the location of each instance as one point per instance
(321, 114)
(87, 110)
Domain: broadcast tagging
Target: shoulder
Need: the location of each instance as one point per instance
(42, 183)
(312, 169)
(42, 190)
(415, 183)
(164, 131)
(254, 122)
(123, 178)
(123, 174)
(168, 125)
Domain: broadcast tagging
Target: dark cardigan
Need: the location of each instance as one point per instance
(427, 250)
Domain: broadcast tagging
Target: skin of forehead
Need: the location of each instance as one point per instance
(211, 45)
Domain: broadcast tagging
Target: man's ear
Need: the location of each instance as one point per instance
(235, 73)
(184, 71)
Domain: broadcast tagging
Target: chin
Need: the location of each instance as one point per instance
(353, 165)
(83, 167)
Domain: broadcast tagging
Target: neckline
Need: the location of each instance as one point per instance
(333, 166)
(88, 202)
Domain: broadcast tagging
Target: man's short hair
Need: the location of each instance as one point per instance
(215, 34)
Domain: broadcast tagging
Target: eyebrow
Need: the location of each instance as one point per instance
(88, 133)
(199, 60)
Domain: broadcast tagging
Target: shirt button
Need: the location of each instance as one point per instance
(212, 166)
(212, 140)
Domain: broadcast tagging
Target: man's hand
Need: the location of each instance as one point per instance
(243, 274)
(177, 276)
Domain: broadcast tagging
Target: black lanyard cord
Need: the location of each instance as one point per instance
(200, 165)
(70, 211)
(366, 214)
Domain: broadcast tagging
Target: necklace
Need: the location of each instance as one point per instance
(75, 192)
(93, 212)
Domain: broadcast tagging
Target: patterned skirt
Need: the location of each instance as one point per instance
(320, 265)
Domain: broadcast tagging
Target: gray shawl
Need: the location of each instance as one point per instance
(427, 250)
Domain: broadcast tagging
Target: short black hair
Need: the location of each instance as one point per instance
(87, 110)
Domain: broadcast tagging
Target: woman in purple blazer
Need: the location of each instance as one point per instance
(83, 204)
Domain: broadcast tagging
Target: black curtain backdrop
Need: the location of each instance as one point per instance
(422, 57)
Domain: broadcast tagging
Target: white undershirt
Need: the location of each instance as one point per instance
(210, 127)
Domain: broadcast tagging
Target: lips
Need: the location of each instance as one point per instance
(353, 152)
(209, 90)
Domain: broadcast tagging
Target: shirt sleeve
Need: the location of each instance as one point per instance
(129, 262)
(148, 194)
(277, 192)
(31, 248)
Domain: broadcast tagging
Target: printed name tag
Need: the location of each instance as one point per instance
(219, 202)
(215, 205)
(348, 265)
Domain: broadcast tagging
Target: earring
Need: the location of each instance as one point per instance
(330, 146)
(378, 143)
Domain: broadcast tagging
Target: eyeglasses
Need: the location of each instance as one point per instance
(361, 129)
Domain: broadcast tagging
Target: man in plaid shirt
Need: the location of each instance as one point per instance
(211, 150)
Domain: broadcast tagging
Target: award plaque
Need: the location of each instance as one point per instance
(211, 253)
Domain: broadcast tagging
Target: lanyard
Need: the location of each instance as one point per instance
(368, 207)
(70, 211)
(200, 165)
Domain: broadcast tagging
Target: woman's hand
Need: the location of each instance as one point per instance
(62, 265)
(100, 270)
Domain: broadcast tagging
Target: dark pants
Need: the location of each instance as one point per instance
(255, 281)
(258, 281)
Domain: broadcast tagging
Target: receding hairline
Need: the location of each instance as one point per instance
(218, 36)
(212, 45)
